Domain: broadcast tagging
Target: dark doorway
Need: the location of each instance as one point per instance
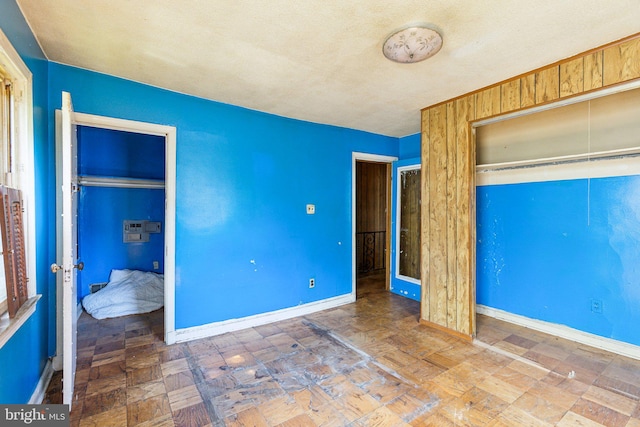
(372, 226)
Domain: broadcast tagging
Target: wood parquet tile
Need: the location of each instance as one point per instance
(370, 363)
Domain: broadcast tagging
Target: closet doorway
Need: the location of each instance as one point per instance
(126, 174)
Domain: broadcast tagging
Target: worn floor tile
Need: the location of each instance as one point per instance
(369, 363)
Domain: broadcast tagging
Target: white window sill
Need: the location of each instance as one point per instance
(8, 327)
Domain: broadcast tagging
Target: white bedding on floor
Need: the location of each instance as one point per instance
(128, 292)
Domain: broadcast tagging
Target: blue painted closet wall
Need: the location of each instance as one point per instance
(546, 250)
(112, 153)
(244, 243)
(101, 210)
(23, 357)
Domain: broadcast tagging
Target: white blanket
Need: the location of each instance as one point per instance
(128, 292)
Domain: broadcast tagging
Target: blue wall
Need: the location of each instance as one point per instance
(409, 147)
(23, 358)
(101, 210)
(112, 153)
(245, 244)
(548, 250)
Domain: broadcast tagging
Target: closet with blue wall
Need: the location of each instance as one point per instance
(121, 178)
(558, 216)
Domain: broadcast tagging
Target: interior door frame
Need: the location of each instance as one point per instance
(170, 135)
(373, 158)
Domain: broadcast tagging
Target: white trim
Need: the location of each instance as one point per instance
(399, 276)
(8, 327)
(593, 168)
(79, 310)
(41, 388)
(169, 132)
(355, 157)
(562, 331)
(11, 61)
(218, 328)
(113, 123)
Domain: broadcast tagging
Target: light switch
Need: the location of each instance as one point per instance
(311, 209)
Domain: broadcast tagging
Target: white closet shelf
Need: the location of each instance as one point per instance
(107, 181)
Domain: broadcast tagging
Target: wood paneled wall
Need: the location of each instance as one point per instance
(371, 196)
(448, 170)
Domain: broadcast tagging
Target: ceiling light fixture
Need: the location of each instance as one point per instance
(412, 44)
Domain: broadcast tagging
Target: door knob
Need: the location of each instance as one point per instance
(55, 267)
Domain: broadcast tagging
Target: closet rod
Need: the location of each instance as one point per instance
(571, 158)
(94, 181)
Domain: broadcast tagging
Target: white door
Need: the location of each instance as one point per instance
(67, 259)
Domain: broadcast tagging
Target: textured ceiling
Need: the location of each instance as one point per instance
(321, 60)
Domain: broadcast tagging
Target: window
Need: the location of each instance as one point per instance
(17, 172)
(6, 113)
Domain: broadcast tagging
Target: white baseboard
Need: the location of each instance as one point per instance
(218, 328)
(562, 331)
(79, 310)
(38, 394)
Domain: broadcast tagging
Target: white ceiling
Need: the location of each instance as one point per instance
(321, 60)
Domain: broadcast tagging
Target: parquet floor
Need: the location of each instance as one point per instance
(364, 364)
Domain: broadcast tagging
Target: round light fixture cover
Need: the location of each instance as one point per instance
(412, 44)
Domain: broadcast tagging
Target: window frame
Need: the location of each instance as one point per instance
(400, 170)
(23, 174)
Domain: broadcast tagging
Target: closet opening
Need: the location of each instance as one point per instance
(121, 218)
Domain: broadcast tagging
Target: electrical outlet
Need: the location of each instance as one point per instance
(312, 283)
(311, 209)
(156, 265)
(596, 305)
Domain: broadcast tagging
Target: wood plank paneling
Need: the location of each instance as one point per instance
(593, 71)
(438, 215)
(425, 239)
(622, 62)
(371, 200)
(488, 102)
(528, 91)
(572, 77)
(448, 164)
(452, 151)
(510, 96)
(465, 187)
(547, 85)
